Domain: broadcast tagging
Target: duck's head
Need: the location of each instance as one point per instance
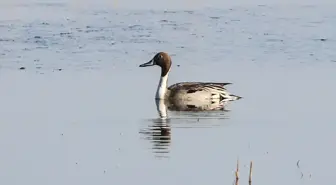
(161, 59)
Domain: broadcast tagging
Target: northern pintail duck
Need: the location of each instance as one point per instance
(187, 91)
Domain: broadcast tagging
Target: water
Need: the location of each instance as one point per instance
(82, 111)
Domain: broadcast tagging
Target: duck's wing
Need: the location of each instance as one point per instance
(217, 90)
(196, 86)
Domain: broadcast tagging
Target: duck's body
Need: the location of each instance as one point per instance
(199, 90)
(206, 92)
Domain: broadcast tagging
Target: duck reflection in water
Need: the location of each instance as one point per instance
(159, 132)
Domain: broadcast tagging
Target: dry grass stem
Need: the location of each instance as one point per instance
(250, 176)
(237, 172)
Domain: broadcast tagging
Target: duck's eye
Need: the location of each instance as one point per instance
(160, 56)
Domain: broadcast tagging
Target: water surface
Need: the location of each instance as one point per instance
(82, 111)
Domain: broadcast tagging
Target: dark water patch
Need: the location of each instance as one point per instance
(321, 39)
(89, 29)
(59, 69)
(197, 36)
(107, 38)
(6, 40)
(176, 24)
(143, 40)
(142, 35)
(65, 33)
(170, 24)
(189, 11)
(316, 22)
(214, 17)
(50, 4)
(30, 25)
(41, 42)
(38, 63)
(136, 28)
(181, 28)
(100, 12)
(169, 12)
(274, 40)
(41, 47)
(93, 30)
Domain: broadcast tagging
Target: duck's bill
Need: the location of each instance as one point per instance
(147, 64)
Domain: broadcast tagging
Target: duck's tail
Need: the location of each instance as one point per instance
(235, 97)
(220, 92)
(229, 97)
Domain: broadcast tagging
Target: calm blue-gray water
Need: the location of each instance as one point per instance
(81, 111)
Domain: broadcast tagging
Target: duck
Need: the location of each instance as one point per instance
(197, 92)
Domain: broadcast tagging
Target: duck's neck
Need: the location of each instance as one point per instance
(162, 88)
(161, 108)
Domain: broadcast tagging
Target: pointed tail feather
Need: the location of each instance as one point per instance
(224, 84)
(229, 97)
(235, 97)
(223, 94)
